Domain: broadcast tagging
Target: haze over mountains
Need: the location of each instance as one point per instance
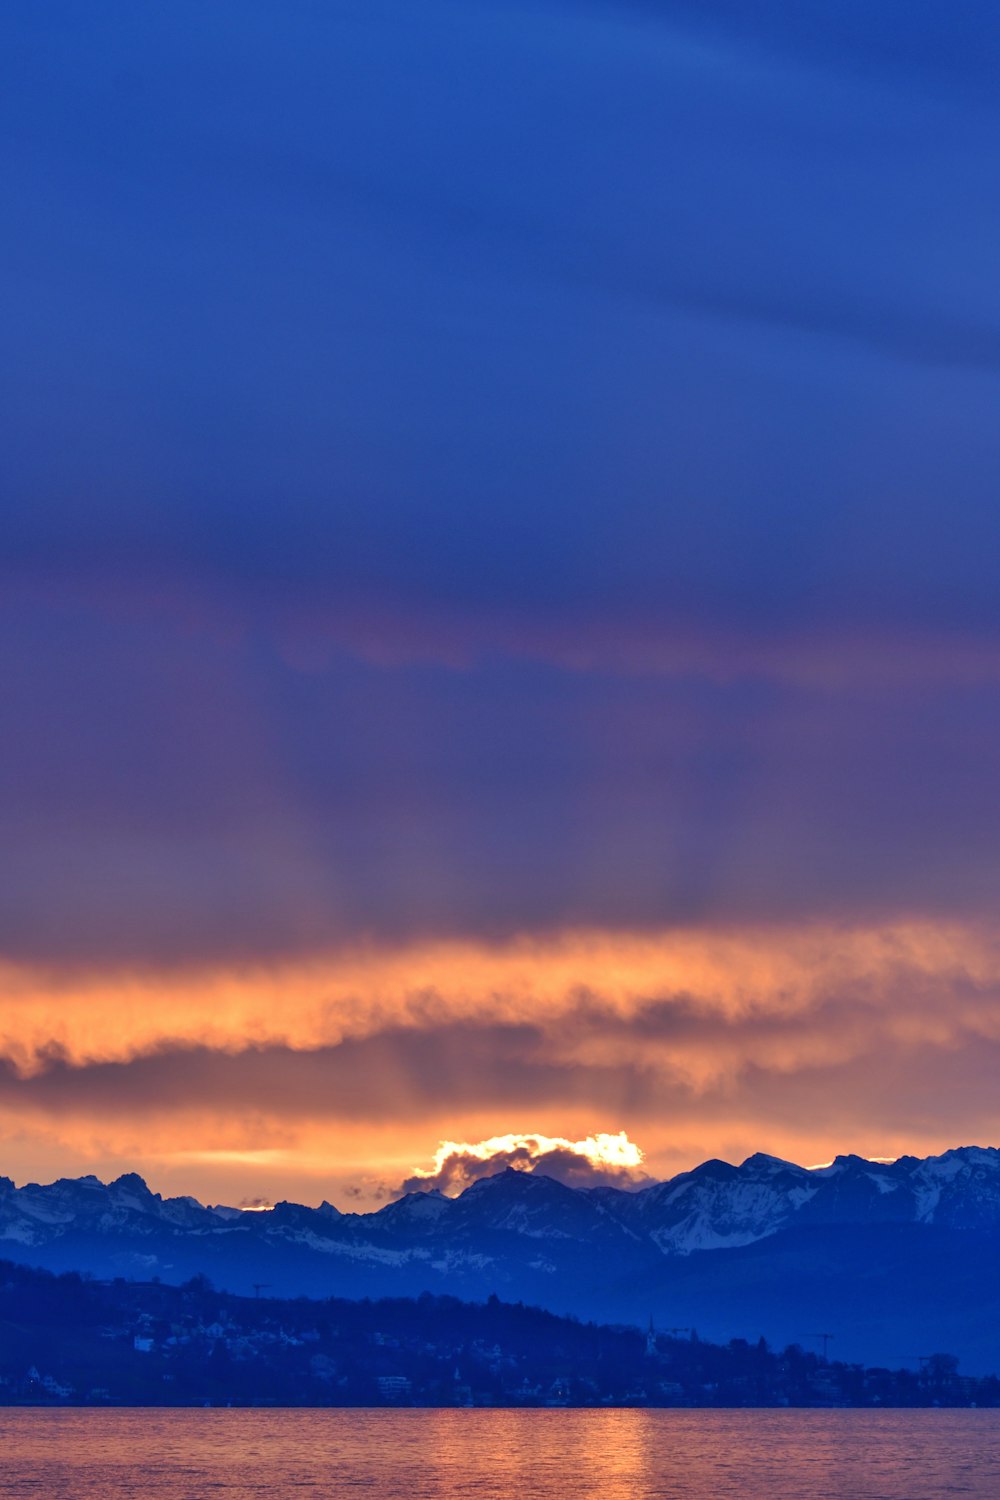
(885, 1256)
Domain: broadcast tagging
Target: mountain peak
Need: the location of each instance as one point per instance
(762, 1164)
(714, 1168)
(130, 1180)
(417, 1206)
(495, 1179)
(512, 1179)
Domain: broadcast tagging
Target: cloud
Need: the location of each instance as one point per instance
(599, 1161)
(220, 808)
(579, 990)
(800, 1042)
(598, 365)
(368, 1192)
(482, 655)
(528, 560)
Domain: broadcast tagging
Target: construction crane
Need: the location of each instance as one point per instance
(826, 1337)
(258, 1287)
(651, 1334)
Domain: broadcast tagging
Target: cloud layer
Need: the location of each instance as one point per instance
(326, 1080)
(498, 615)
(600, 1161)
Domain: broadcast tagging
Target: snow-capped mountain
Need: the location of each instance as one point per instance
(718, 1206)
(512, 1232)
(715, 1246)
(714, 1207)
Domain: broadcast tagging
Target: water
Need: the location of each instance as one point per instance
(499, 1455)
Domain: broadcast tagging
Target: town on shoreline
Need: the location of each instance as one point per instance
(75, 1341)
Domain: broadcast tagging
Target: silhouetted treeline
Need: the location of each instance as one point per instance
(71, 1340)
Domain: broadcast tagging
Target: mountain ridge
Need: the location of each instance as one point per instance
(715, 1205)
(742, 1248)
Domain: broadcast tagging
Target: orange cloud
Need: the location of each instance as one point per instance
(343, 1073)
(737, 976)
(598, 1159)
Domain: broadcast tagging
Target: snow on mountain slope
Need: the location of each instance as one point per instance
(509, 1226)
(717, 1206)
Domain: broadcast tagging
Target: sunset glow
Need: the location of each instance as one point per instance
(457, 1163)
(499, 627)
(347, 1070)
(611, 1150)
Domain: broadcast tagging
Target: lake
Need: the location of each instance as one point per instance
(76, 1454)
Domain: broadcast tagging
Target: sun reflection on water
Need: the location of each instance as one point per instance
(499, 1455)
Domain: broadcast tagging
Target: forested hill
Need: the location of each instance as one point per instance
(71, 1340)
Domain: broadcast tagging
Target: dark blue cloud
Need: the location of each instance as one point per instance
(540, 308)
(614, 384)
(175, 797)
(953, 48)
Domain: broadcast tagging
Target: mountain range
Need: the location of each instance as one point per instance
(893, 1259)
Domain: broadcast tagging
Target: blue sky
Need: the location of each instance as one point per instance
(479, 472)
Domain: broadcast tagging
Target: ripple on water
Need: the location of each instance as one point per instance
(496, 1455)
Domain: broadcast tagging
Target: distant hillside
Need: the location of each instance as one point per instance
(889, 1258)
(66, 1340)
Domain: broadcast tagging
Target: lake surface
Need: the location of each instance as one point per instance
(499, 1455)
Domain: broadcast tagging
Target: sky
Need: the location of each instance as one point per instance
(499, 625)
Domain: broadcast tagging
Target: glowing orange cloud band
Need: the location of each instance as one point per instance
(697, 1042)
(736, 976)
